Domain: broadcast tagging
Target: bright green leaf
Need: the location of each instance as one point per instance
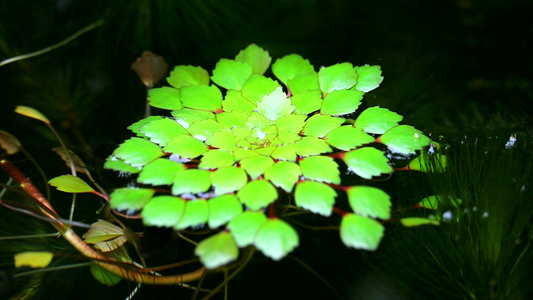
(369, 78)
(229, 179)
(161, 131)
(188, 75)
(303, 83)
(290, 123)
(160, 172)
(320, 125)
(223, 209)
(165, 98)
(307, 102)
(275, 105)
(137, 152)
(287, 152)
(257, 194)
(231, 74)
(256, 166)
(429, 164)
(191, 181)
(116, 164)
(369, 201)
(223, 140)
(201, 130)
(276, 239)
(367, 162)
(347, 138)
(70, 184)
(337, 77)
(135, 127)
(217, 250)
(185, 117)
(341, 102)
(360, 232)
(163, 211)
(377, 120)
(284, 174)
(228, 120)
(291, 66)
(257, 86)
(214, 159)
(202, 97)
(404, 139)
(315, 196)
(195, 214)
(245, 226)
(186, 146)
(33, 259)
(321, 168)
(256, 57)
(311, 146)
(414, 221)
(234, 101)
(130, 198)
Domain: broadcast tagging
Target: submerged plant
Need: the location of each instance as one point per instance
(239, 150)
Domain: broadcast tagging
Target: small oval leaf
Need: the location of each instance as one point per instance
(70, 184)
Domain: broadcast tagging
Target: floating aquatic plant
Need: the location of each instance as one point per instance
(234, 142)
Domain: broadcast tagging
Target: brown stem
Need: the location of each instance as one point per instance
(82, 247)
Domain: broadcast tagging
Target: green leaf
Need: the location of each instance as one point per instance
(369, 78)
(113, 163)
(33, 259)
(291, 66)
(341, 102)
(414, 221)
(229, 179)
(183, 76)
(185, 117)
(255, 57)
(275, 105)
(369, 201)
(234, 101)
(309, 145)
(214, 159)
(257, 120)
(130, 198)
(315, 196)
(191, 181)
(201, 130)
(240, 154)
(165, 98)
(320, 125)
(284, 174)
(290, 123)
(287, 152)
(256, 166)
(245, 226)
(231, 74)
(196, 214)
(321, 168)
(135, 127)
(367, 162)
(160, 172)
(229, 120)
(161, 131)
(337, 77)
(137, 152)
(307, 102)
(428, 164)
(31, 112)
(360, 232)
(276, 239)
(70, 184)
(404, 139)
(303, 83)
(223, 140)
(257, 86)
(347, 138)
(257, 194)
(433, 202)
(186, 146)
(217, 250)
(103, 276)
(163, 211)
(105, 236)
(377, 120)
(202, 97)
(223, 209)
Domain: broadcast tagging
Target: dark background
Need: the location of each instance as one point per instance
(448, 66)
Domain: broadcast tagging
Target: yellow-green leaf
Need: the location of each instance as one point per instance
(33, 259)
